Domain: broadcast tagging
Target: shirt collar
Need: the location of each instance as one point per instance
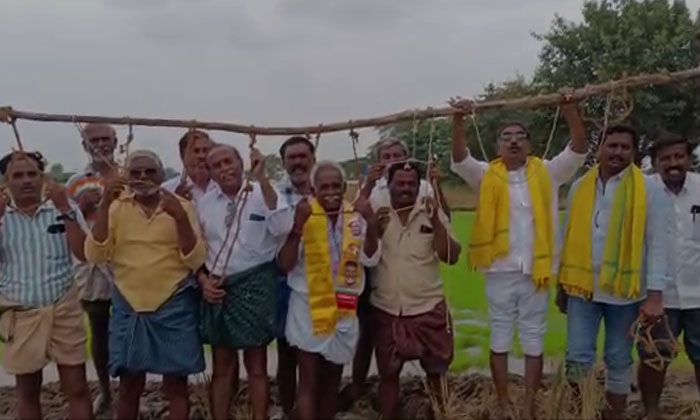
(46, 205)
(684, 189)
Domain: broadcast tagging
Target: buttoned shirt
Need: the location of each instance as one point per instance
(407, 279)
(521, 222)
(36, 265)
(259, 229)
(653, 274)
(683, 287)
(197, 193)
(145, 252)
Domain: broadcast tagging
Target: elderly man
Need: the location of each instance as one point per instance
(387, 151)
(195, 180)
(41, 318)
(298, 158)
(152, 239)
(614, 257)
(410, 319)
(239, 279)
(95, 281)
(512, 241)
(328, 237)
(672, 156)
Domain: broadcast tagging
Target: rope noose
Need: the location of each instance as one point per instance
(239, 205)
(354, 139)
(7, 117)
(414, 133)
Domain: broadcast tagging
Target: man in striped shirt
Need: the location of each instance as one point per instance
(41, 317)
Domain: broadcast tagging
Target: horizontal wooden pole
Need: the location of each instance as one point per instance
(535, 101)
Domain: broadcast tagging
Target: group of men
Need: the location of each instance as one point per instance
(221, 256)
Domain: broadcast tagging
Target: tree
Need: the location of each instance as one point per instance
(274, 167)
(57, 173)
(625, 37)
(616, 38)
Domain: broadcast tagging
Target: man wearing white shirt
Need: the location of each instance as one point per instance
(298, 156)
(323, 256)
(671, 157)
(239, 280)
(195, 180)
(521, 193)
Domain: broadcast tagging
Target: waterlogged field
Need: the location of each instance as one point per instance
(466, 295)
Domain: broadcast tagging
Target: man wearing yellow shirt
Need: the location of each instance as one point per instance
(152, 239)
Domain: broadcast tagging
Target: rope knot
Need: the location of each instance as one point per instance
(6, 114)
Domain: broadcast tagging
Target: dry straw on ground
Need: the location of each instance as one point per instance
(467, 396)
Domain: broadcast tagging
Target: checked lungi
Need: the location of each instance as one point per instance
(247, 317)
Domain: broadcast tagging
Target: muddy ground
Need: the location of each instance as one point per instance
(471, 398)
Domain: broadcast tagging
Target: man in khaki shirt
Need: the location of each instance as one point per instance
(409, 315)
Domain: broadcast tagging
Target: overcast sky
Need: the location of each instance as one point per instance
(263, 62)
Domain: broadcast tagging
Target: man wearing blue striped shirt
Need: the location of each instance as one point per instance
(41, 318)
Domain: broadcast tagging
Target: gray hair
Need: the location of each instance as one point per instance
(235, 151)
(145, 154)
(389, 142)
(327, 164)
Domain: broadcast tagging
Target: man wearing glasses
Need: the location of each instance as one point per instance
(512, 241)
(239, 279)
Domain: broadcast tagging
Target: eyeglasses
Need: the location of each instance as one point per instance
(230, 214)
(518, 136)
(96, 139)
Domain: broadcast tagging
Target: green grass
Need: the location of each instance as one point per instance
(466, 294)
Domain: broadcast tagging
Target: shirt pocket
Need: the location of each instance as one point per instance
(695, 231)
(254, 235)
(420, 243)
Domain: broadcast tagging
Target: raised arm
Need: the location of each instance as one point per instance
(576, 128)
(72, 218)
(446, 247)
(288, 255)
(460, 151)
(258, 171)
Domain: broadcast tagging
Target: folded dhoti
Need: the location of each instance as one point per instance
(35, 336)
(247, 317)
(426, 337)
(165, 341)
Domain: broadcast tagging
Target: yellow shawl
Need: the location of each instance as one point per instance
(490, 235)
(331, 295)
(622, 253)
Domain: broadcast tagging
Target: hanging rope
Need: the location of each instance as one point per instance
(551, 133)
(239, 205)
(479, 140)
(318, 139)
(6, 117)
(355, 138)
(414, 132)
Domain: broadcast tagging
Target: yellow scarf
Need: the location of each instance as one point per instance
(331, 296)
(622, 253)
(490, 236)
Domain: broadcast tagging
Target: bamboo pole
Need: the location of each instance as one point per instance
(550, 99)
